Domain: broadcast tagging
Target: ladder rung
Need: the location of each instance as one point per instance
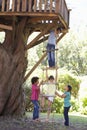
(45, 82)
(51, 50)
(50, 68)
(43, 95)
(46, 109)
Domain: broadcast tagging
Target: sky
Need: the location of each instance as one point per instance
(78, 15)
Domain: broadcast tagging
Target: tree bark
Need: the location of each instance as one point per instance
(13, 65)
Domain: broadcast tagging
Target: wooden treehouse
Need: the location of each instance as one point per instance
(42, 16)
(19, 19)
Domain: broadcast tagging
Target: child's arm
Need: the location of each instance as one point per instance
(40, 84)
(61, 96)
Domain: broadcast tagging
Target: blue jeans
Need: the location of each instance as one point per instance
(66, 117)
(51, 55)
(36, 109)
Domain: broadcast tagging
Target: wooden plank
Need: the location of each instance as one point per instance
(38, 14)
(35, 5)
(34, 40)
(62, 7)
(8, 5)
(51, 4)
(40, 6)
(63, 22)
(57, 9)
(51, 50)
(3, 5)
(18, 5)
(13, 5)
(39, 36)
(45, 6)
(36, 19)
(6, 27)
(35, 66)
(24, 5)
(30, 5)
(40, 41)
(62, 35)
(51, 68)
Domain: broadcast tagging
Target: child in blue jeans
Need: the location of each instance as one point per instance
(51, 46)
(67, 104)
(35, 96)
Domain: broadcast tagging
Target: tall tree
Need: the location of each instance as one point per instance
(13, 64)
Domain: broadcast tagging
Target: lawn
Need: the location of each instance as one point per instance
(77, 122)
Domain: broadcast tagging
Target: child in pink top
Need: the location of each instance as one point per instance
(35, 97)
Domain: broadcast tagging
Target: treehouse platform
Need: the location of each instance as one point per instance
(40, 13)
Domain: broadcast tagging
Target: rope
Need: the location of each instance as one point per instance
(45, 72)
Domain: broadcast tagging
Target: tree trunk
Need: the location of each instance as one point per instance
(13, 65)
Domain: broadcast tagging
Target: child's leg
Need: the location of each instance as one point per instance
(66, 117)
(49, 55)
(53, 56)
(36, 110)
(42, 101)
(49, 109)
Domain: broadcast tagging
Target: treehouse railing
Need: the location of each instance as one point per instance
(34, 6)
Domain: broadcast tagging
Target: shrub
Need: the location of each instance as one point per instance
(58, 105)
(84, 102)
(74, 105)
(29, 105)
(84, 111)
(83, 108)
(69, 78)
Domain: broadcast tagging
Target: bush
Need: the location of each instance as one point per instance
(84, 111)
(69, 78)
(29, 105)
(84, 106)
(84, 102)
(58, 105)
(74, 105)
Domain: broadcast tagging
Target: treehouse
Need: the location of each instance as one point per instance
(40, 13)
(19, 19)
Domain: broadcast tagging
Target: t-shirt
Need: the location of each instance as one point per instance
(67, 99)
(49, 89)
(35, 92)
(52, 38)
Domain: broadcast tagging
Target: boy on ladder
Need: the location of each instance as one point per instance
(51, 46)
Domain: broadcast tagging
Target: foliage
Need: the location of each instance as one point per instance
(84, 106)
(66, 78)
(84, 102)
(73, 53)
(75, 105)
(58, 105)
(29, 105)
(84, 110)
(83, 96)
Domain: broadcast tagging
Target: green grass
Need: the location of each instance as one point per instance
(75, 119)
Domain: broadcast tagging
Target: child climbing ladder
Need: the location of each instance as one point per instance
(51, 46)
